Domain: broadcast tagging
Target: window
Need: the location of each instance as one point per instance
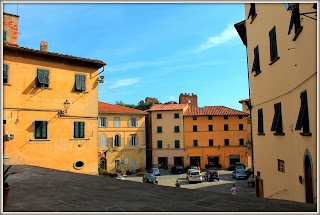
(133, 139)
(159, 116)
(103, 140)
(303, 118)
(116, 140)
(40, 129)
(195, 143)
(80, 84)
(240, 116)
(117, 163)
(210, 117)
(159, 129)
(177, 144)
(225, 117)
(4, 35)
(210, 127)
(103, 122)
(226, 142)
(194, 117)
(281, 166)
(260, 122)
(295, 21)
(273, 45)
(210, 142)
(42, 78)
(195, 128)
(176, 129)
(277, 119)
(176, 115)
(159, 144)
(78, 130)
(252, 12)
(241, 142)
(256, 61)
(5, 73)
(240, 127)
(133, 122)
(116, 122)
(226, 127)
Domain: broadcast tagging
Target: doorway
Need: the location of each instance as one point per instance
(234, 159)
(195, 161)
(213, 161)
(163, 162)
(178, 161)
(308, 179)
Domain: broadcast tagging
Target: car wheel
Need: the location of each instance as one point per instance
(250, 184)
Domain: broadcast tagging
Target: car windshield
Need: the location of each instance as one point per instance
(239, 167)
(179, 167)
(194, 173)
(193, 167)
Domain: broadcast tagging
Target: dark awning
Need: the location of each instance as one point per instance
(241, 29)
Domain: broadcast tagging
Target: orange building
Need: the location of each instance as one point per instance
(215, 135)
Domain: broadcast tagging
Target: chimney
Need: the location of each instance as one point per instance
(43, 46)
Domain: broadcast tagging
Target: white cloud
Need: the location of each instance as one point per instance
(123, 83)
(228, 34)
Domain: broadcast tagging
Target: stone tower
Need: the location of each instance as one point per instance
(185, 98)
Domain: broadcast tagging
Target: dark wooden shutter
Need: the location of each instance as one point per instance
(40, 76)
(44, 130)
(81, 129)
(45, 76)
(37, 129)
(260, 121)
(256, 60)
(83, 82)
(252, 11)
(303, 113)
(78, 82)
(277, 119)
(4, 36)
(76, 129)
(273, 44)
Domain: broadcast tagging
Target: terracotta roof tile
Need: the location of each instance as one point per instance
(20, 48)
(110, 108)
(167, 107)
(212, 111)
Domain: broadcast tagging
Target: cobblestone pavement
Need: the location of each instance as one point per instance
(36, 189)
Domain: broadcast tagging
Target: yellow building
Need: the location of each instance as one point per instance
(167, 134)
(215, 135)
(122, 136)
(281, 41)
(50, 106)
(245, 103)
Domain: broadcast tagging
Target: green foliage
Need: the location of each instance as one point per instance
(121, 170)
(141, 105)
(100, 169)
(219, 165)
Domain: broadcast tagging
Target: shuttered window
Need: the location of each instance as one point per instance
(260, 122)
(226, 142)
(42, 78)
(195, 143)
(4, 35)
(159, 129)
(303, 117)
(296, 22)
(116, 122)
(273, 45)
(133, 139)
(252, 12)
(78, 130)
(210, 142)
(256, 61)
(116, 140)
(40, 129)
(80, 84)
(103, 140)
(133, 122)
(159, 144)
(176, 129)
(5, 73)
(277, 119)
(177, 144)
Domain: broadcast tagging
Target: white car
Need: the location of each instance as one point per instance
(194, 176)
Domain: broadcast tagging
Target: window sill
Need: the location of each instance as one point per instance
(39, 140)
(275, 60)
(279, 134)
(103, 126)
(6, 84)
(76, 91)
(257, 73)
(74, 139)
(298, 33)
(43, 88)
(305, 134)
(261, 134)
(253, 18)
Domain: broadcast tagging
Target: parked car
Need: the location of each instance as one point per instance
(232, 166)
(249, 171)
(154, 171)
(251, 181)
(194, 176)
(211, 175)
(177, 169)
(239, 172)
(189, 167)
(189, 170)
(149, 178)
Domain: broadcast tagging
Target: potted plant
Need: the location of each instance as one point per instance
(6, 186)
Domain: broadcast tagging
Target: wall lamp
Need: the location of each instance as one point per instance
(101, 80)
(66, 105)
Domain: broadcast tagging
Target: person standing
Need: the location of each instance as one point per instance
(234, 189)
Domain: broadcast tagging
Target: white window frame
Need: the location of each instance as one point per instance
(133, 122)
(103, 122)
(116, 122)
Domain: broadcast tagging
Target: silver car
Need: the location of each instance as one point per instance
(239, 172)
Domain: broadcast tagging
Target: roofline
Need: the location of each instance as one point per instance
(242, 114)
(53, 54)
(135, 113)
(11, 14)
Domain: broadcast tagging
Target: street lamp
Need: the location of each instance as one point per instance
(66, 105)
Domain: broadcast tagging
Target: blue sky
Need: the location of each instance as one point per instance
(151, 50)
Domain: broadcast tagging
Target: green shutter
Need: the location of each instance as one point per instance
(45, 76)
(4, 36)
(40, 76)
(83, 82)
(78, 82)
(37, 129)
(81, 131)
(5, 73)
(76, 129)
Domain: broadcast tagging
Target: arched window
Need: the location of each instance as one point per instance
(116, 140)
(103, 140)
